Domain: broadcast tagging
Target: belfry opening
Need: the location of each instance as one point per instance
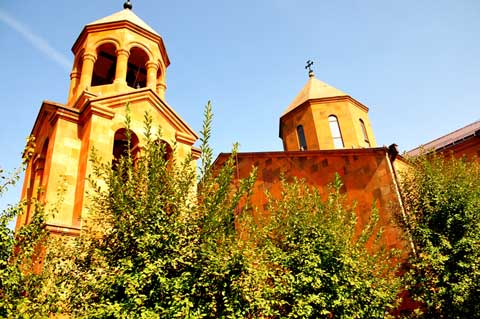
(136, 69)
(105, 65)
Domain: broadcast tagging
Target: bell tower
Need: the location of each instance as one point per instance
(118, 59)
(322, 117)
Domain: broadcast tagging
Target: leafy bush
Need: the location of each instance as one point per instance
(154, 245)
(442, 197)
(24, 291)
(317, 266)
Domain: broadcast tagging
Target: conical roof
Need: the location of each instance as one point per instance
(125, 15)
(314, 89)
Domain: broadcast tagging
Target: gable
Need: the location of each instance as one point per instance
(150, 102)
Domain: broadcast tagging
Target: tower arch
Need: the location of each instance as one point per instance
(167, 148)
(137, 68)
(105, 65)
(121, 144)
(136, 44)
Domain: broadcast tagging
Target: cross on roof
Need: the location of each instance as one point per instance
(309, 66)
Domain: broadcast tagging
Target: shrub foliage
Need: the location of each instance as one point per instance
(442, 197)
(156, 245)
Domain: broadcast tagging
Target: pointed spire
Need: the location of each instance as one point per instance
(128, 5)
(313, 89)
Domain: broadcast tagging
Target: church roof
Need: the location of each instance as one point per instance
(125, 15)
(450, 139)
(314, 89)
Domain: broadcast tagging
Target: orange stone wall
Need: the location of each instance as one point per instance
(367, 176)
(60, 169)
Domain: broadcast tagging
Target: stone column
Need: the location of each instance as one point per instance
(87, 70)
(152, 68)
(74, 79)
(161, 88)
(122, 66)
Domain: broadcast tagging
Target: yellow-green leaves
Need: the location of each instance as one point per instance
(442, 198)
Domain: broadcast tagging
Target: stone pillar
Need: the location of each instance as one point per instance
(122, 66)
(35, 187)
(74, 80)
(87, 70)
(152, 68)
(161, 88)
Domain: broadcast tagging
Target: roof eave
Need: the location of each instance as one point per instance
(117, 25)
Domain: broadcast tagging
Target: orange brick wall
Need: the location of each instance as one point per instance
(366, 174)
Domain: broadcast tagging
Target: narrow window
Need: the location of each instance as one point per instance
(364, 131)
(105, 65)
(335, 130)
(136, 70)
(301, 138)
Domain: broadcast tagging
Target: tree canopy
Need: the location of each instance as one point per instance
(163, 239)
(442, 198)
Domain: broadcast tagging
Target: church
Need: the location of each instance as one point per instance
(120, 60)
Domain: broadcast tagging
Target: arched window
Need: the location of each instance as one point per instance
(301, 138)
(335, 130)
(136, 70)
(105, 65)
(168, 151)
(164, 150)
(364, 132)
(120, 145)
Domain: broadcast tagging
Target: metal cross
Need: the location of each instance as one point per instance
(309, 66)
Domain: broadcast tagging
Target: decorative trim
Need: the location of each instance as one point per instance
(122, 51)
(64, 114)
(63, 230)
(184, 138)
(196, 152)
(125, 25)
(89, 110)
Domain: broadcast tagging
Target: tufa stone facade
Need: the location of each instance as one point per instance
(118, 60)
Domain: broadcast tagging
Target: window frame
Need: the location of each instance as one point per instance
(336, 138)
(302, 141)
(364, 132)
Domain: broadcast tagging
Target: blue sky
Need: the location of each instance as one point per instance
(415, 64)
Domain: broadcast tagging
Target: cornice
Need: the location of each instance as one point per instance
(124, 24)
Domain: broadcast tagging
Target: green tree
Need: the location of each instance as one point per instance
(24, 293)
(149, 248)
(156, 245)
(317, 264)
(442, 197)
